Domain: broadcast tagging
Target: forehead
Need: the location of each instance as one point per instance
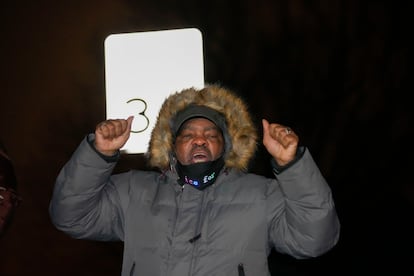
(198, 123)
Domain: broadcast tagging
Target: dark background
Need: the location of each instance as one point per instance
(336, 71)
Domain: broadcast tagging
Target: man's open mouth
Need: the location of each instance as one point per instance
(199, 157)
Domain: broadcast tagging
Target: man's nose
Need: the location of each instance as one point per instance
(199, 140)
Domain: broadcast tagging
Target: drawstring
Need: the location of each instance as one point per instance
(240, 268)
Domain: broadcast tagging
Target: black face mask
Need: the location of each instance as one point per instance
(199, 175)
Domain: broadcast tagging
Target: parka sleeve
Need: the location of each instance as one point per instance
(86, 203)
(306, 224)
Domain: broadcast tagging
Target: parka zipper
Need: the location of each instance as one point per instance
(197, 232)
(240, 268)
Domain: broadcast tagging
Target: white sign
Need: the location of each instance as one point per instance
(142, 69)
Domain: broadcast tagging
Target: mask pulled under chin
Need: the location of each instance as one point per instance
(199, 175)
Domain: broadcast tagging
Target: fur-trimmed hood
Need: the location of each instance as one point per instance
(239, 123)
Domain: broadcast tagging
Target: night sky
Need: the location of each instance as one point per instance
(335, 71)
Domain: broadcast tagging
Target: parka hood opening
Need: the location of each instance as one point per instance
(238, 126)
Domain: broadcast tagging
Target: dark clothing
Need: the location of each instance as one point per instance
(9, 199)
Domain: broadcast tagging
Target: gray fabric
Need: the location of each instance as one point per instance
(239, 217)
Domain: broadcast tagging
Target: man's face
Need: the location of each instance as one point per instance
(199, 140)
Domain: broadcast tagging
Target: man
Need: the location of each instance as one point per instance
(202, 213)
(9, 199)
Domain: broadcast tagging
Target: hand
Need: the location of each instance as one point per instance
(280, 141)
(111, 135)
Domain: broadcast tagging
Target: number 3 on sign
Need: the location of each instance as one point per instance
(141, 122)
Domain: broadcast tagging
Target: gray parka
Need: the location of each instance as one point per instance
(226, 229)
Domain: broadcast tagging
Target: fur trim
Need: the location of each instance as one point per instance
(239, 125)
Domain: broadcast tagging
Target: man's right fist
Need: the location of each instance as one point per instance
(111, 135)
